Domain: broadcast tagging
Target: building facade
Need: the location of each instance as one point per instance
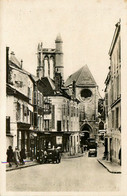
(83, 86)
(24, 103)
(61, 122)
(113, 100)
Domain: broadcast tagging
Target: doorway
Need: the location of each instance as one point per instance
(85, 129)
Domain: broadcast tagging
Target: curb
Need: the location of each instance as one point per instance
(114, 172)
(21, 167)
(16, 168)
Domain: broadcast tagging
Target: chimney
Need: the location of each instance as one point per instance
(21, 63)
(74, 88)
(7, 64)
(12, 53)
(58, 81)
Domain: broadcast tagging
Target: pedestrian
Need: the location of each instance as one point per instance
(10, 155)
(22, 156)
(16, 156)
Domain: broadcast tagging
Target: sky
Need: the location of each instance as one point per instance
(86, 28)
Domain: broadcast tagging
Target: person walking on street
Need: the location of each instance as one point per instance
(22, 156)
(10, 155)
(16, 156)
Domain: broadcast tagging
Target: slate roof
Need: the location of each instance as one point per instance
(49, 86)
(82, 77)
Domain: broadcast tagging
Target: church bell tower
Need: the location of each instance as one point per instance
(59, 68)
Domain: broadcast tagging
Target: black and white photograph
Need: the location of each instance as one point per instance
(62, 123)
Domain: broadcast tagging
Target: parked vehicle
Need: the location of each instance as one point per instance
(40, 156)
(53, 155)
(92, 147)
(92, 152)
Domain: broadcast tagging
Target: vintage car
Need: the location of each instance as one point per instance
(53, 155)
(92, 147)
(92, 152)
(40, 156)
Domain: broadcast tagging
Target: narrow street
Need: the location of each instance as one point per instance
(76, 174)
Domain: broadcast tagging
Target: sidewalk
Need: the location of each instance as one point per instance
(28, 163)
(111, 167)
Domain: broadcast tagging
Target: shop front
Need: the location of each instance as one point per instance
(23, 137)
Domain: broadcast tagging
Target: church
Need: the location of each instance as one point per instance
(61, 122)
(80, 87)
(86, 91)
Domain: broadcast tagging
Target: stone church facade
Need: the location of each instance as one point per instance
(86, 91)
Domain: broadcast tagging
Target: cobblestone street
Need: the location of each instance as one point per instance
(76, 174)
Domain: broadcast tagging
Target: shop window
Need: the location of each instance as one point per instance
(58, 139)
(58, 125)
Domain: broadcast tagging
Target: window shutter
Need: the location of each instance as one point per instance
(50, 125)
(53, 116)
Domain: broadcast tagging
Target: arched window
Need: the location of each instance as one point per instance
(45, 67)
(51, 68)
(101, 125)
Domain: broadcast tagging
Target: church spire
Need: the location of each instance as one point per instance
(40, 60)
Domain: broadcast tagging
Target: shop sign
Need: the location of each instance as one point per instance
(46, 117)
(58, 139)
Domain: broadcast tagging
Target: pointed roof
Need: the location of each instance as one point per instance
(14, 60)
(49, 87)
(82, 77)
